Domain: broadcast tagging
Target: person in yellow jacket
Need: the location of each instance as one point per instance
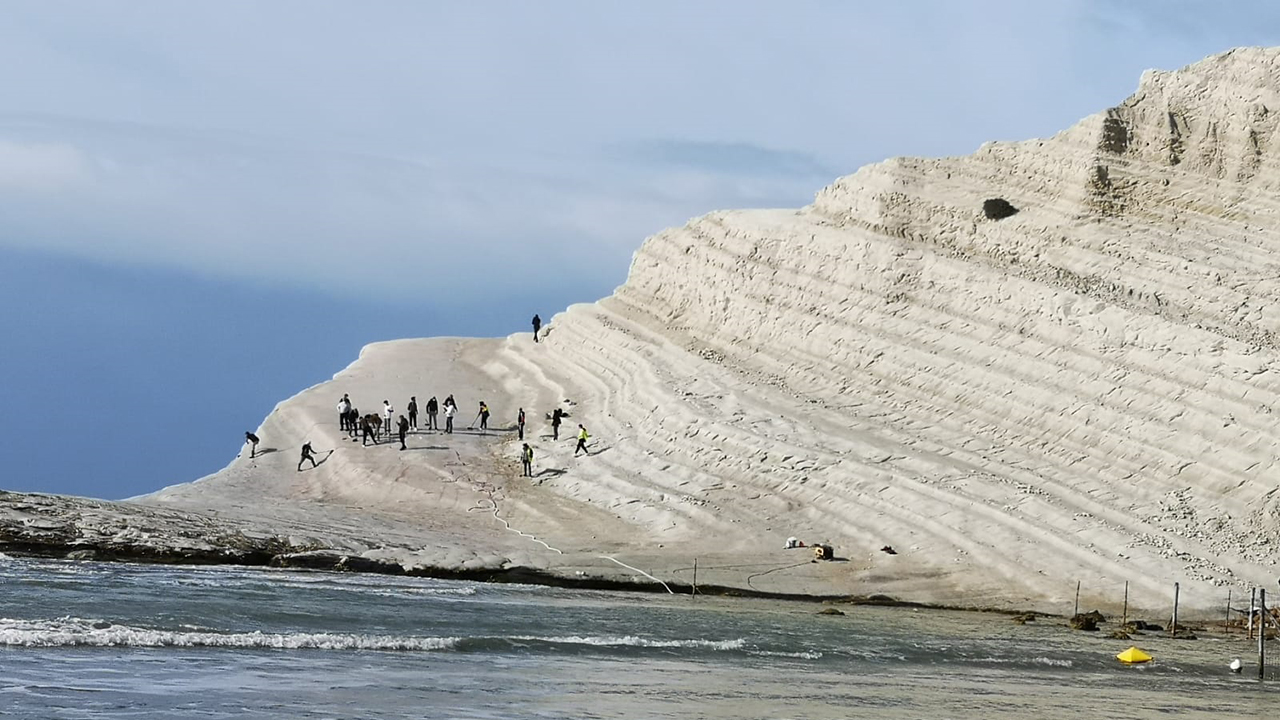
(526, 459)
(582, 441)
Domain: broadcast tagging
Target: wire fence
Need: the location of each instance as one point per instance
(1252, 617)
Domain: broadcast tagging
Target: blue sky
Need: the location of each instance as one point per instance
(208, 206)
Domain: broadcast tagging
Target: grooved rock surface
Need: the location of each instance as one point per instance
(1081, 391)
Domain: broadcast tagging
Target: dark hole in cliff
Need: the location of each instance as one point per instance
(998, 209)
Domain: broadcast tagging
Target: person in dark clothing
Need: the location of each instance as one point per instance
(252, 441)
(537, 325)
(582, 441)
(526, 459)
(555, 424)
(306, 455)
(433, 408)
(366, 428)
(520, 423)
(484, 417)
(353, 423)
(413, 413)
(403, 427)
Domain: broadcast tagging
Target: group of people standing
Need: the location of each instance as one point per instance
(432, 411)
(368, 426)
(350, 420)
(371, 426)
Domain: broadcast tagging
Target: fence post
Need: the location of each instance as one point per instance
(1124, 616)
(1173, 629)
(1226, 624)
(695, 577)
(1262, 633)
(1253, 603)
(1077, 611)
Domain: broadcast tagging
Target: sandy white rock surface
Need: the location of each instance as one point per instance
(1083, 391)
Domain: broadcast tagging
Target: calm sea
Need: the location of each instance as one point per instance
(105, 641)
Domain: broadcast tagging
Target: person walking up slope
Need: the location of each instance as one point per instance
(555, 424)
(252, 441)
(582, 441)
(306, 455)
(520, 423)
(526, 459)
(537, 325)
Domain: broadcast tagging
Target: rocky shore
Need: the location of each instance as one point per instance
(84, 529)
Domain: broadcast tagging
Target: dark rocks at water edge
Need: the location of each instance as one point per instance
(85, 529)
(1086, 621)
(334, 560)
(75, 528)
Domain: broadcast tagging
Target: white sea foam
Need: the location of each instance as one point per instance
(803, 655)
(1053, 662)
(378, 589)
(634, 641)
(437, 592)
(83, 632)
(61, 567)
(367, 583)
(78, 632)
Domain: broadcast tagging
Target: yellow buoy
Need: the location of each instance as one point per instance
(1133, 655)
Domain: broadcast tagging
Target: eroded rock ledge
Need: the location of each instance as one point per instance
(75, 528)
(86, 529)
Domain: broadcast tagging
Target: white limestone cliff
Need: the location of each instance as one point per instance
(1081, 391)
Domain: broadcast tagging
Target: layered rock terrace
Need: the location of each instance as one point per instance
(1080, 391)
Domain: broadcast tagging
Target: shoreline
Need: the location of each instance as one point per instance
(324, 561)
(57, 527)
(335, 562)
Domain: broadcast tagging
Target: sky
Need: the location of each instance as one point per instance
(206, 207)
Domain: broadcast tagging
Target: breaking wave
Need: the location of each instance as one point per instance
(80, 632)
(803, 655)
(1051, 662)
(635, 641)
(76, 632)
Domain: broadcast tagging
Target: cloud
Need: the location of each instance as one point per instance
(41, 167)
(727, 158)
(382, 149)
(282, 212)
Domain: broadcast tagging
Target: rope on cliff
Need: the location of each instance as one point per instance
(766, 572)
(606, 557)
(508, 525)
(488, 490)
